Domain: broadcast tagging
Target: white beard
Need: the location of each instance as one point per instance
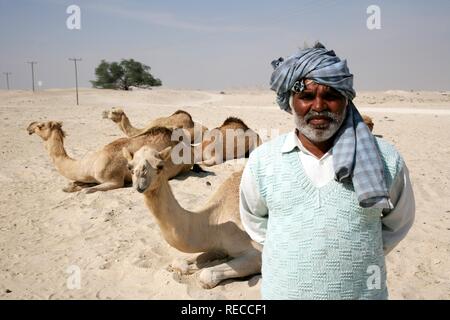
(316, 133)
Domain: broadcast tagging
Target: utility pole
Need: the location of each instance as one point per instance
(76, 74)
(7, 78)
(32, 63)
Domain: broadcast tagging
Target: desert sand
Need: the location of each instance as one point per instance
(112, 237)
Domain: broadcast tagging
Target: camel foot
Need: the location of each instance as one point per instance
(71, 188)
(210, 162)
(195, 263)
(103, 187)
(182, 267)
(207, 279)
(242, 266)
(77, 186)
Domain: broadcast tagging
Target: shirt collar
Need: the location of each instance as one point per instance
(292, 141)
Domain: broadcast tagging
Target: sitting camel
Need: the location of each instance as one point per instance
(368, 121)
(178, 120)
(105, 169)
(216, 146)
(215, 230)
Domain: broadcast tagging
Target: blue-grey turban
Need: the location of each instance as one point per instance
(355, 153)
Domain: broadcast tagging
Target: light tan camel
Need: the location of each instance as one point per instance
(232, 140)
(178, 120)
(118, 116)
(105, 169)
(215, 230)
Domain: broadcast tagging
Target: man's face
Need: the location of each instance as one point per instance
(319, 111)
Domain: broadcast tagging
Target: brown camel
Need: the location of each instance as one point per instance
(178, 120)
(232, 140)
(368, 121)
(105, 169)
(214, 230)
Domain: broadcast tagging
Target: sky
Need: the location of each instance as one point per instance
(215, 45)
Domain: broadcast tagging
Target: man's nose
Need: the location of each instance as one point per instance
(319, 104)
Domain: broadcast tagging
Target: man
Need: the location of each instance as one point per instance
(328, 200)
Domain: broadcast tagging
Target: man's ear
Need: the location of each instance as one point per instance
(127, 154)
(165, 154)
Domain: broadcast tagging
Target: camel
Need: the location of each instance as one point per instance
(105, 169)
(368, 121)
(178, 120)
(215, 230)
(118, 116)
(215, 145)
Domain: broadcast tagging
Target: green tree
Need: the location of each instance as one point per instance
(122, 75)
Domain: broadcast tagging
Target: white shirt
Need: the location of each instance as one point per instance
(254, 211)
(320, 171)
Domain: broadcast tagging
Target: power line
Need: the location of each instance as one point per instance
(76, 74)
(7, 78)
(32, 63)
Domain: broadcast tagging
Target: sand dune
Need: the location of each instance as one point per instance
(113, 239)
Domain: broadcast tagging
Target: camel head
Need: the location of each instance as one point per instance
(45, 129)
(115, 114)
(146, 166)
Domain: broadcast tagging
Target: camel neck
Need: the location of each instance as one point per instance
(65, 165)
(182, 229)
(55, 146)
(126, 126)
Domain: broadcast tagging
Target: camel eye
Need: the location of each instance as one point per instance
(130, 167)
(160, 167)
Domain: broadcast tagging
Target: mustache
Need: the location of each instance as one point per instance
(323, 114)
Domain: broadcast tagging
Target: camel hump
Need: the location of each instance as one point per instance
(117, 110)
(154, 131)
(183, 112)
(235, 120)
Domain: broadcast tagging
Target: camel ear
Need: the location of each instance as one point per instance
(165, 154)
(127, 154)
(160, 165)
(56, 124)
(118, 110)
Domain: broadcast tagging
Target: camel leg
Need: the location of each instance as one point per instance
(247, 264)
(77, 186)
(196, 262)
(104, 187)
(210, 162)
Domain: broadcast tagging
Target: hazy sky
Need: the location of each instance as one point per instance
(207, 44)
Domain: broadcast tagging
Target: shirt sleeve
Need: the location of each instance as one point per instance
(397, 223)
(252, 207)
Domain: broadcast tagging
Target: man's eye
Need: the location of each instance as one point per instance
(332, 97)
(306, 96)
